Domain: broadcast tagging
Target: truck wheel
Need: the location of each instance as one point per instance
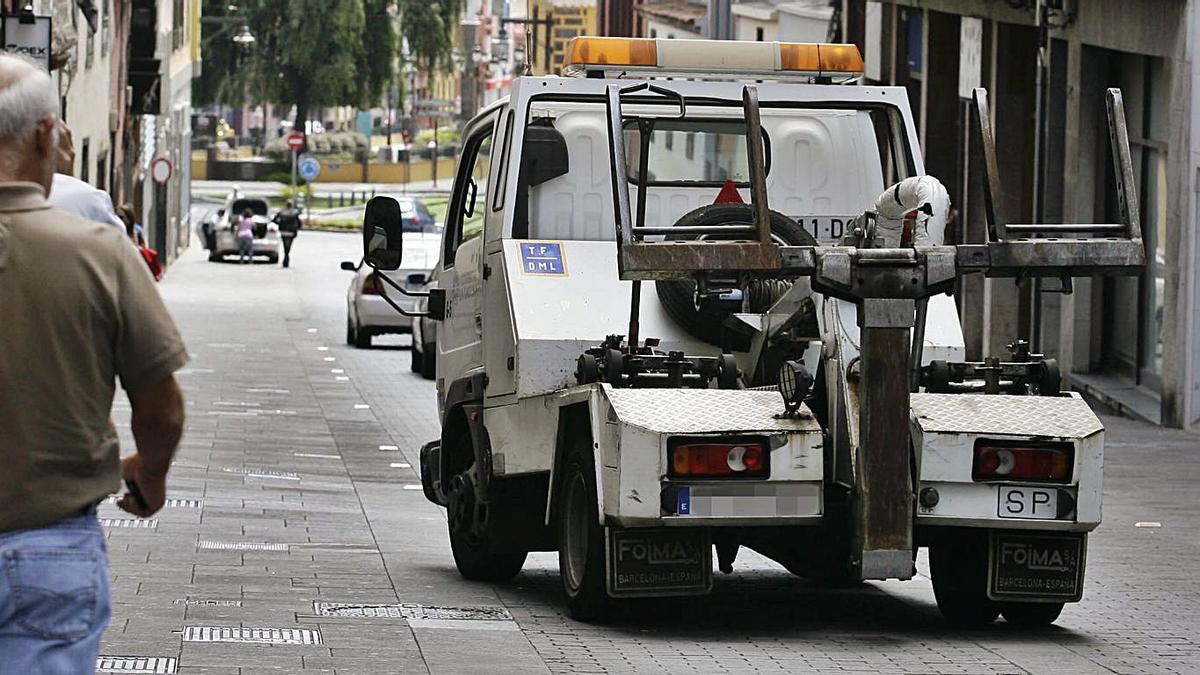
(581, 538)
(959, 569)
(473, 551)
(1031, 614)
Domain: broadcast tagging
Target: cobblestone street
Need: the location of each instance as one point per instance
(298, 538)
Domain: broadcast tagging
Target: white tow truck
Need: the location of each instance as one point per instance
(679, 315)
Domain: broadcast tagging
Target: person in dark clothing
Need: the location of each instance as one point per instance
(288, 220)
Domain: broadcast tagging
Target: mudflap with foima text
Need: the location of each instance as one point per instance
(658, 561)
(1036, 566)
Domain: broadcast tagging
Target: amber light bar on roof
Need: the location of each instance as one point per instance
(712, 57)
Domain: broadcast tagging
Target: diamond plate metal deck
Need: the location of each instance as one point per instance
(135, 664)
(1055, 416)
(258, 636)
(705, 410)
(412, 610)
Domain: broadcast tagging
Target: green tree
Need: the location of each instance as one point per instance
(309, 53)
(429, 27)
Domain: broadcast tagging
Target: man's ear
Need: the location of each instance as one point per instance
(46, 138)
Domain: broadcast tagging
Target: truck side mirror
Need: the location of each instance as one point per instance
(349, 266)
(436, 306)
(383, 234)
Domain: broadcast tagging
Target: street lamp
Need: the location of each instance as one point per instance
(244, 36)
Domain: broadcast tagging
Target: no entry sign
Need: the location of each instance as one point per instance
(295, 141)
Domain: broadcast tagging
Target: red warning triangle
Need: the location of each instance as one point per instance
(729, 194)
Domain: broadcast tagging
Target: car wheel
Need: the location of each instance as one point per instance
(428, 362)
(273, 258)
(362, 338)
(959, 567)
(581, 538)
(417, 362)
(350, 337)
(214, 256)
(1031, 614)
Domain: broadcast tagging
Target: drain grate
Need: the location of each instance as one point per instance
(198, 602)
(258, 636)
(239, 546)
(261, 473)
(183, 503)
(143, 523)
(412, 610)
(135, 664)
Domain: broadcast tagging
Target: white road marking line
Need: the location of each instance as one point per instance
(361, 406)
(400, 465)
(413, 487)
(315, 455)
(389, 447)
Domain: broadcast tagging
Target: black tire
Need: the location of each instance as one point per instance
(476, 556)
(362, 338)
(417, 362)
(1031, 614)
(213, 256)
(273, 259)
(959, 567)
(428, 362)
(678, 297)
(581, 538)
(349, 332)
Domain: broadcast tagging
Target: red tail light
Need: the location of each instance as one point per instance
(1049, 463)
(706, 459)
(372, 285)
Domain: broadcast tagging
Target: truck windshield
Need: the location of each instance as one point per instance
(688, 152)
(825, 165)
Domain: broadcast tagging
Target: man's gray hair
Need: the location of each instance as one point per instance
(27, 96)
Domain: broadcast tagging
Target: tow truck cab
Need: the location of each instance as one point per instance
(635, 460)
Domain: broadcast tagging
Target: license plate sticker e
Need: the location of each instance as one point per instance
(1036, 567)
(1027, 502)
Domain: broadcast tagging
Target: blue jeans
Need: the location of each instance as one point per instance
(54, 598)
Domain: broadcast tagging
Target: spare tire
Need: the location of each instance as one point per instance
(678, 297)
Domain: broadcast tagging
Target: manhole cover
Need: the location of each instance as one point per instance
(143, 523)
(198, 602)
(258, 636)
(239, 546)
(135, 664)
(412, 610)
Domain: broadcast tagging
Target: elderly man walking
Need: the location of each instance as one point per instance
(78, 310)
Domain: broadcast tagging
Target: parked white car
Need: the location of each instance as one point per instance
(367, 312)
(222, 240)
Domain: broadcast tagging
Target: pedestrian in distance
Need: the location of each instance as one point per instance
(245, 237)
(288, 220)
(78, 313)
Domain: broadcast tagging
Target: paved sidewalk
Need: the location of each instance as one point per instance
(300, 541)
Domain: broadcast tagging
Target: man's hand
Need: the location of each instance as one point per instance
(153, 488)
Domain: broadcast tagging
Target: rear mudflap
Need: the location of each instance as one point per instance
(646, 562)
(1026, 566)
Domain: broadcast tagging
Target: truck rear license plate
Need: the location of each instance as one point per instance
(659, 561)
(1028, 502)
(1032, 566)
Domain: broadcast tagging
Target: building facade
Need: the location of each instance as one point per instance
(568, 18)
(123, 70)
(1132, 343)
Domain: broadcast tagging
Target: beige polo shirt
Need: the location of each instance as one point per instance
(78, 309)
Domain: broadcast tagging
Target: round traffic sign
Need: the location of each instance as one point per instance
(309, 167)
(160, 170)
(295, 141)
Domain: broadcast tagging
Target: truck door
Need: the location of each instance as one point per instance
(459, 349)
